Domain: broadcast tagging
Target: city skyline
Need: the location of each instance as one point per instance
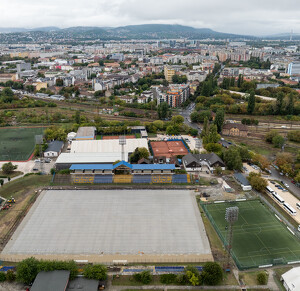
(258, 18)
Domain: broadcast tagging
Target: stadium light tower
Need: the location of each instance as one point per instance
(231, 216)
(39, 141)
(122, 143)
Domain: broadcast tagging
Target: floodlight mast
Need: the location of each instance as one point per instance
(231, 216)
(39, 141)
(122, 142)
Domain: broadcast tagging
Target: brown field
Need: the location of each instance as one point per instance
(168, 148)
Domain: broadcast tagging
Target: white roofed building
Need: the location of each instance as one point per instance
(291, 279)
(108, 146)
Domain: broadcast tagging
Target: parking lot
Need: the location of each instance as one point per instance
(288, 198)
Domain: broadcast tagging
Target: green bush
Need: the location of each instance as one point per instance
(168, 278)
(27, 270)
(262, 278)
(182, 279)
(64, 172)
(10, 276)
(59, 265)
(2, 277)
(144, 277)
(212, 273)
(96, 272)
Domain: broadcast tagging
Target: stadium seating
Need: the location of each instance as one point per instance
(169, 269)
(144, 179)
(123, 179)
(103, 179)
(180, 178)
(162, 179)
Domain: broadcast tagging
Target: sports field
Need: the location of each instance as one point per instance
(258, 237)
(136, 225)
(169, 148)
(17, 144)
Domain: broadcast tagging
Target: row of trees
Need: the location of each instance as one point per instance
(212, 274)
(28, 269)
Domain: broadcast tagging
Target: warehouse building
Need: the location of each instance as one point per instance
(86, 133)
(108, 146)
(66, 160)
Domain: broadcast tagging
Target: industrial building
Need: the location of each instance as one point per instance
(86, 133)
(108, 146)
(66, 160)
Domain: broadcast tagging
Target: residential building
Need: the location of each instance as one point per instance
(177, 94)
(54, 149)
(202, 162)
(235, 129)
(169, 73)
(294, 68)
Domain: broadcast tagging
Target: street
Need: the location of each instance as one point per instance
(186, 114)
(292, 187)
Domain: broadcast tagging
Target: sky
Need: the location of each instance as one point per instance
(252, 17)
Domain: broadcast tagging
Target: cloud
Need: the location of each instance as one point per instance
(246, 17)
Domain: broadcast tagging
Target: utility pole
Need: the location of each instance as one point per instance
(231, 216)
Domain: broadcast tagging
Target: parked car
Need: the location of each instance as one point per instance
(47, 160)
(37, 161)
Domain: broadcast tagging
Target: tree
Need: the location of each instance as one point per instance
(240, 81)
(283, 159)
(290, 108)
(278, 141)
(251, 103)
(27, 270)
(77, 117)
(244, 153)
(213, 136)
(55, 133)
(262, 278)
(233, 159)
(279, 103)
(10, 276)
(213, 147)
(263, 162)
(178, 119)
(59, 82)
(8, 168)
(163, 110)
(172, 130)
(2, 277)
(270, 135)
(158, 124)
(95, 272)
(144, 277)
(212, 273)
(1, 182)
(138, 154)
(257, 182)
(205, 129)
(219, 119)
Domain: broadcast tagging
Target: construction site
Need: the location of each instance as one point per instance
(132, 226)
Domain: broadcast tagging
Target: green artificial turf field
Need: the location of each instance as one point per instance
(17, 144)
(258, 237)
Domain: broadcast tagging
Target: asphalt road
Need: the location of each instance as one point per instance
(186, 114)
(292, 187)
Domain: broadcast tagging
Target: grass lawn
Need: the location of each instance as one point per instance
(250, 278)
(216, 244)
(17, 144)
(12, 175)
(128, 280)
(258, 237)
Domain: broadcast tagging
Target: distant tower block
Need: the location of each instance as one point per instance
(122, 142)
(231, 216)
